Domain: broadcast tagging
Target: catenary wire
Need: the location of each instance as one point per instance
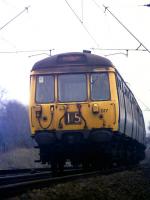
(91, 36)
(25, 9)
(141, 44)
(107, 9)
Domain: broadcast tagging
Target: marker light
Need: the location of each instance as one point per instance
(95, 108)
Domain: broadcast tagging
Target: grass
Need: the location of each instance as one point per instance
(128, 185)
(19, 158)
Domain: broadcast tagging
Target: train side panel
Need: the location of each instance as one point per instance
(131, 122)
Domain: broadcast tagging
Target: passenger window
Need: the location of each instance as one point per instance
(44, 89)
(100, 86)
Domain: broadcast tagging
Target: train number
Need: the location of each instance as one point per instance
(72, 118)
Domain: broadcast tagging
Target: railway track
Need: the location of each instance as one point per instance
(12, 184)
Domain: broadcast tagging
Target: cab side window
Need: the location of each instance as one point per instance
(100, 89)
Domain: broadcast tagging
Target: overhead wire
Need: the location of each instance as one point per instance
(20, 13)
(82, 8)
(141, 44)
(118, 49)
(147, 108)
(81, 21)
(8, 42)
(25, 51)
(48, 52)
(98, 5)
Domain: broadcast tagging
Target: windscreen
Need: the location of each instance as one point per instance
(44, 89)
(72, 87)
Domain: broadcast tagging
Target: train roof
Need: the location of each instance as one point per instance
(72, 59)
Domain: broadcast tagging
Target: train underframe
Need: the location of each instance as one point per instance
(95, 149)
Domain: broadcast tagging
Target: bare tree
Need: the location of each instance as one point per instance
(14, 126)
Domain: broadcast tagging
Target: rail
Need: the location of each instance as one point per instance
(13, 185)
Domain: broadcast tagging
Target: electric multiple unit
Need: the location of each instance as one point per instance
(81, 109)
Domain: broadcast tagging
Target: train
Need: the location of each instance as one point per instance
(83, 111)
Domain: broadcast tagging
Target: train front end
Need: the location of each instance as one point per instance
(73, 106)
